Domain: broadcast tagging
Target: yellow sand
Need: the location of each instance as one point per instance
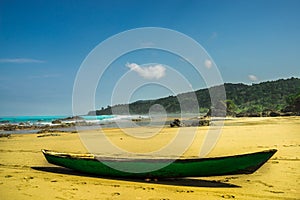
(25, 174)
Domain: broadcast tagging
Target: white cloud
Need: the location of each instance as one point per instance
(252, 77)
(208, 63)
(155, 71)
(20, 60)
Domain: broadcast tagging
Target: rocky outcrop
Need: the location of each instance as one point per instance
(176, 123)
(268, 113)
(190, 123)
(248, 114)
(274, 114)
(201, 122)
(57, 121)
(73, 118)
(14, 127)
(5, 135)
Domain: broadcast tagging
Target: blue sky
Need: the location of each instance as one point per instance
(43, 43)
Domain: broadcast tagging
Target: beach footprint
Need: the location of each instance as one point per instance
(115, 194)
(228, 196)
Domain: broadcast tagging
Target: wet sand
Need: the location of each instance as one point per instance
(25, 174)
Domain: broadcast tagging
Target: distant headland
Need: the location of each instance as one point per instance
(271, 98)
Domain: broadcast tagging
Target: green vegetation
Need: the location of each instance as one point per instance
(282, 94)
(293, 102)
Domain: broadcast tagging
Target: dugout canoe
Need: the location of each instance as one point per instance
(183, 167)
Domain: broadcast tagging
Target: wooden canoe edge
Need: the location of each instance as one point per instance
(91, 156)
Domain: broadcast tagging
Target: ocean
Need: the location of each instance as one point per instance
(94, 122)
(43, 120)
(33, 124)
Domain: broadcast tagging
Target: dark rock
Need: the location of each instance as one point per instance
(246, 114)
(74, 118)
(287, 114)
(254, 115)
(290, 111)
(204, 122)
(9, 127)
(47, 135)
(265, 114)
(136, 120)
(288, 108)
(201, 122)
(5, 135)
(176, 123)
(191, 122)
(56, 121)
(274, 114)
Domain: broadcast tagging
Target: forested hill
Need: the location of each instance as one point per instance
(270, 95)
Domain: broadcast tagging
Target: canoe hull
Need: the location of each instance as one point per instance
(201, 167)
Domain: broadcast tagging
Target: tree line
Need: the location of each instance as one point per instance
(279, 95)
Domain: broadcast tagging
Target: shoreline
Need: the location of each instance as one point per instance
(73, 128)
(25, 174)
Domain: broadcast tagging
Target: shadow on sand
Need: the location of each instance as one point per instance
(170, 181)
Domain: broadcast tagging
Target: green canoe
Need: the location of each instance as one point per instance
(190, 167)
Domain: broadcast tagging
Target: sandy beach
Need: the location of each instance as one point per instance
(25, 174)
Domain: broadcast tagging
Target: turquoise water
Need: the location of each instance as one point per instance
(95, 122)
(48, 119)
(104, 121)
(99, 117)
(31, 119)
